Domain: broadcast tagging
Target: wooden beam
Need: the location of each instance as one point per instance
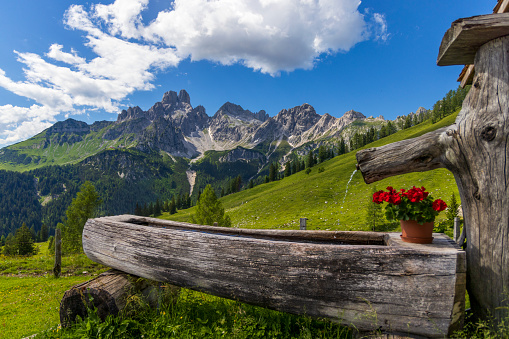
(419, 154)
(466, 76)
(501, 7)
(463, 39)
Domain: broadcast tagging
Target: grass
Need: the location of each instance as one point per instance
(30, 295)
(324, 198)
(197, 315)
(30, 298)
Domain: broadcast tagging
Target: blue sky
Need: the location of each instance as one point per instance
(90, 59)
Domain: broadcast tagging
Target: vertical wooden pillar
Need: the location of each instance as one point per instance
(303, 224)
(58, 254)
(476, 150)
(456, 233)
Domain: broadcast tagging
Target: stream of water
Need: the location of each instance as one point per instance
(346, 191)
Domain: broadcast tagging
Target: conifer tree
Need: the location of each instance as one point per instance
(322, 153)
(272, 172)
(157, 208)
(310, 160)
(341, 146)
(173, 205)
(24, 241)
(44, 233)
(210, 210)
(10, 247)
(374, 213)
(452, 209)
(79, 211)
(288, 169)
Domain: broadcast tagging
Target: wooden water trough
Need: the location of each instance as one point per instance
(363, 279)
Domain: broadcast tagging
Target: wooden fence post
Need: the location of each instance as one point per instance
(303, 222)
(457, 232)
(58, 254)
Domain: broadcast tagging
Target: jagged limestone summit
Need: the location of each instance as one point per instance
(175, 127)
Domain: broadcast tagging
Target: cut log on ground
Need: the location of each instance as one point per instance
(109, 293)
(366, 280)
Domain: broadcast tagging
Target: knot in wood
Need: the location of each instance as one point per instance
(477, 83)
(451, 133)
(425, 158)
(488, 133)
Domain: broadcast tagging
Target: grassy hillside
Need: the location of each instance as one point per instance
(323, 198)
(40, 150)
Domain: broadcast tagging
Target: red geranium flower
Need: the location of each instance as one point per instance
(414, 204)
(439, 205)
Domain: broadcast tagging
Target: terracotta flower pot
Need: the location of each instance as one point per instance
(415, 233)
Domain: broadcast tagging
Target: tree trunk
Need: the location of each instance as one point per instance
(109, 293)
(476, 150)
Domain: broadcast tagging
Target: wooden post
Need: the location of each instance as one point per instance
(457, 231)
(303, 223)
(475, 149)
(58, 254)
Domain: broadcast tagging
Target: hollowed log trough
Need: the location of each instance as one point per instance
(363, 279)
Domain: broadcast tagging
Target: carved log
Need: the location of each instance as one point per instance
(476, 150)
(364, 279)
(108, 293)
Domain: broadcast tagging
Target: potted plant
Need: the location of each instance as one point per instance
(415, 209)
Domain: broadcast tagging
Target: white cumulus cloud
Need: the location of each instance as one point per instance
(270, 36)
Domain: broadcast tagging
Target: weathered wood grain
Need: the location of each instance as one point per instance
(393, 286)
(476, 150)
(108, 292)
(501, 7)
(467, 74)
(57, 267)
(462, 41)
(412, 155)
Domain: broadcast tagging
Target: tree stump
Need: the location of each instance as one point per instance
(109, 293)
(475, 149)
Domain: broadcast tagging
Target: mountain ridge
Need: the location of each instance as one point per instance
(175, 127)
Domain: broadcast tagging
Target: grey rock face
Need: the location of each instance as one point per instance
(242, 154)
(131, 113)
(232, 123)
(161, 134)
(421, 110)
(69, 126)
(297, 120)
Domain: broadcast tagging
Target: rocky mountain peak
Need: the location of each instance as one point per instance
(303, 116)
(69, 126)
(238, 112)
(184, 97)
(421, 110)
(353, 115)
(171, 98)
(131, 113)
